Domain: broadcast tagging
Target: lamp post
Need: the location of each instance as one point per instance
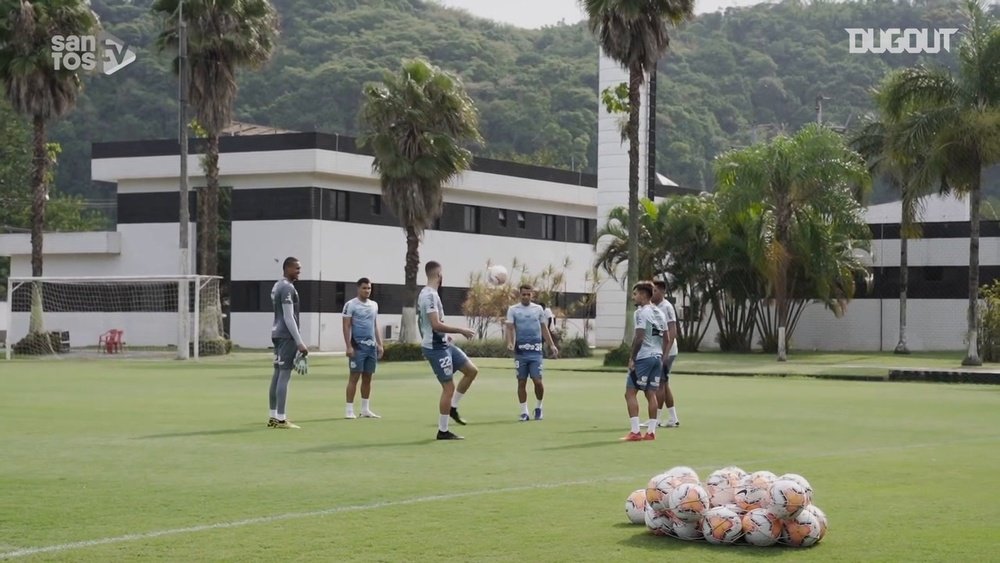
(184, 218)
(819, 107)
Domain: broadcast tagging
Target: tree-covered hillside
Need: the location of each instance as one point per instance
(727, 78)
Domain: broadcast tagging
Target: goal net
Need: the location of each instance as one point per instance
(178, 316)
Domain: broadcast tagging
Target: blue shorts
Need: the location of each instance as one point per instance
(365, 359)
(445, 361)
(667, 367)
(646, 375)
(528, 365)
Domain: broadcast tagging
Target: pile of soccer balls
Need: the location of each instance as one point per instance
(759, 508)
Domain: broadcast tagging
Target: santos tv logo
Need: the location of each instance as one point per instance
(86, 52)
(895, 40)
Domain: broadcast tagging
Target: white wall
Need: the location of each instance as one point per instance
(141, 329)
(4, 310)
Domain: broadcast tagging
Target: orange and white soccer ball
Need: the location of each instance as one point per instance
(658, 492)
(658, 523)
(721, 485)
(754, 490)
(804, 530)
(788, 498)
(686, 530)
(761, 527)
(821, 517)
(720, 525)
(496, 274)
(801, 481)
(688, 502)
(635, 506)
(683, 474)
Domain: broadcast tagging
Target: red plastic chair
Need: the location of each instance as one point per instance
(111, 342)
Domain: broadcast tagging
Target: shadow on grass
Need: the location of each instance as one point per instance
(586, 445)
(222, 432)
(647, 541)
(350, 447)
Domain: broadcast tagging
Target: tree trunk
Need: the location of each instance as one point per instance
(632, 277)
(904, 282)
(208, 211)
(39, 193)
(408, 323)
(975, 197)
(781, 297)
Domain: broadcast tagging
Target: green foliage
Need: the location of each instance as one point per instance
(575, 348)
(38, 344)
(402, 352)
(215, 347)
(618, 357)
(989, 322)
(487, 348)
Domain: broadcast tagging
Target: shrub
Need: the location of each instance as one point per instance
(488, 348)
(989, 322)
(38, 344)
(402, 352)
(619, 356)
(575, 348)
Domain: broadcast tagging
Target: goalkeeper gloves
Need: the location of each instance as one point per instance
(301, 364)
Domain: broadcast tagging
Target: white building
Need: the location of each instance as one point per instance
(314, 196)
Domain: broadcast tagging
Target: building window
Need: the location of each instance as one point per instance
(521, 223)
(549, 232)
(339, 295)
(502, 217)
(337, 205)
(470, 218)
(934, 274)
(580, 230)
(376, 205)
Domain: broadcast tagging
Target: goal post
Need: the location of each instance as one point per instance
(178, 316)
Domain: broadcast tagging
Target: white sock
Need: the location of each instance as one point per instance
(443, 423)
(281, 417)
(524, 408)
(659, 414)
(274, 413)
(364, 405)
(539, 405)
(673, 413)
(634, 421)
(456, 398)
(651, 426)
(350, 408)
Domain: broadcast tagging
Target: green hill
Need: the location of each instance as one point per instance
(728, 77)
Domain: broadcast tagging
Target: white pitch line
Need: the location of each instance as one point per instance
(23, 552)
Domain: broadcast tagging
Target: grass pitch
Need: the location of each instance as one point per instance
(125, 460)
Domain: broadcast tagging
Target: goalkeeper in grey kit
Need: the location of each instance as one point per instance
(289, 350)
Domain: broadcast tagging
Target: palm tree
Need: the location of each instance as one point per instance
(223, 37)
(416, 122)
(634, 33)
(878, 141)
(956, 120)
(786, 186)
(652, 254)
(36, 89)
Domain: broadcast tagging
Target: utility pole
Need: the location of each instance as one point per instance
(819, 107)
(184, 217)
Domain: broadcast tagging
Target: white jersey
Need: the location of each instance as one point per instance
(651, 320)
(430, 302)
(671, 315)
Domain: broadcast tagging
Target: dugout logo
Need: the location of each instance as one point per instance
(102, 52)
(895, 40)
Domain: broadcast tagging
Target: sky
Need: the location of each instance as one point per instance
(538, 13)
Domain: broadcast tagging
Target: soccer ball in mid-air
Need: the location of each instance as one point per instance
(496, 274)
(688, 502)
(635, 507)
(761, 527)
(721, 525)
(804, 530)
(788, 498)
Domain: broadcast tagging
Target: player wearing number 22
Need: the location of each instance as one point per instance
(443, 355)
(525, 329)
(645, 364)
